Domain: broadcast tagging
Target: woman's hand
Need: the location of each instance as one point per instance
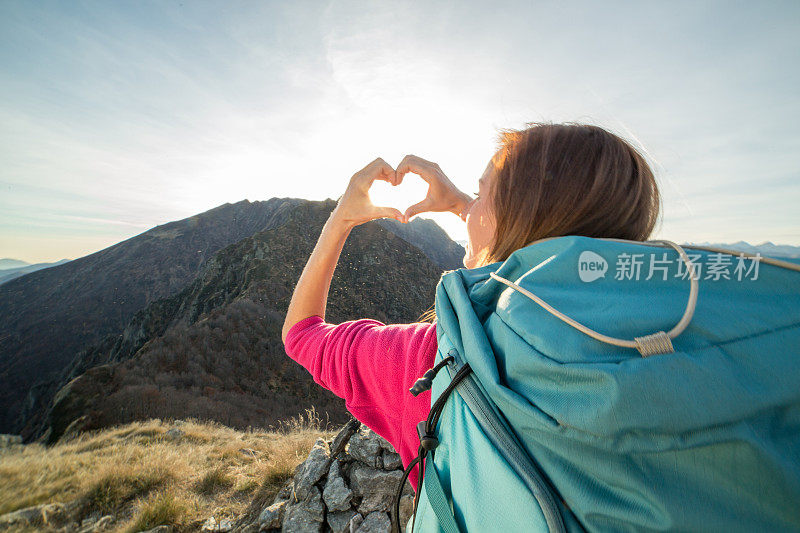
(355, 206)
(442, 194)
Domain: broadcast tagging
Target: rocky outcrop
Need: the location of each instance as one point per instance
(61, 518)
(345, 485)
(50, 516)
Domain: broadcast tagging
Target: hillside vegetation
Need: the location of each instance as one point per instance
(48, 316)
(214, 350)
(158, 472)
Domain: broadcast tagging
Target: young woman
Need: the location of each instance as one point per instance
(546, 180)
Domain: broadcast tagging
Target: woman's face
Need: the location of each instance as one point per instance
(480, 221)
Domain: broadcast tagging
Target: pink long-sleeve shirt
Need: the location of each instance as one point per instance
(371, 365)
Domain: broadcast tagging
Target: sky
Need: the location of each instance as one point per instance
(119, 116)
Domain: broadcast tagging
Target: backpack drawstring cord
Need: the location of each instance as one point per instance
(656, 343)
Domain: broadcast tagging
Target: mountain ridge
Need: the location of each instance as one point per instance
(47, 316)
(765, 248)
(241, 293)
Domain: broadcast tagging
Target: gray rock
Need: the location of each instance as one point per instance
(299, 520)
(325, 489)
(159, 529)
(375, 522)
(337, 494)
(384, 444)
(364, 446)
(95, 525)
(339, 521)
(312, 469)
(48, 514)
(315, 506)
(355, 523)
(272, 517)
(376, 487)
(343, 437)
(392, 461)
(286, 491)
(223, 525)
(305, 515)
(406, 508)
(174, 434)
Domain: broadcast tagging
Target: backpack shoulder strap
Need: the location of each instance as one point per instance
(438, 500)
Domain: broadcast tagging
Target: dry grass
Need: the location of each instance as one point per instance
(145, 479)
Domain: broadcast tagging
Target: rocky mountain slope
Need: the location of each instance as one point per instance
(426, 235)
(214, 350)
(48, 316)
(58, 323)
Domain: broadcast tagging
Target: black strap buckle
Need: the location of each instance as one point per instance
(428, 440)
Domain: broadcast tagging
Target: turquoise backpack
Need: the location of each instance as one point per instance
(609, 385)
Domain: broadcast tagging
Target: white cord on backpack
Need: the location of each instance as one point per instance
(656, 343)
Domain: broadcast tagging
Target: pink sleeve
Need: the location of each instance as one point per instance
(369, 364)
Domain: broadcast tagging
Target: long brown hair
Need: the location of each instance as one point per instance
(553, 180)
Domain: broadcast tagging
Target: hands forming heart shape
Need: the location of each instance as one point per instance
(355, 207)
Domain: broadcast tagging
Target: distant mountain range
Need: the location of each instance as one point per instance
(765, 248)
(158, 305)
(8, 263)
(9, 273)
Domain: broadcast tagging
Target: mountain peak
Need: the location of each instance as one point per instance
(224, 328)
(90, 305)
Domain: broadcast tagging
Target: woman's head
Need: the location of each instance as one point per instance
(550, 180)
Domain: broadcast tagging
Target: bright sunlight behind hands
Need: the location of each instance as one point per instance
(412, 190)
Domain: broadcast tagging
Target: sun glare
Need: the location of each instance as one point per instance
(412, 190)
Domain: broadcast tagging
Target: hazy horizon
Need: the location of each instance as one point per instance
(119, 117)
(460, 241)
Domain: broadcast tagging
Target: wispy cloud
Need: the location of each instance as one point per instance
(107, 221)
(121, 116)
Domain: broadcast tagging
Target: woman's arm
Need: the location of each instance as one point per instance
(354, 207)
(369, 364)
(311, 293)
